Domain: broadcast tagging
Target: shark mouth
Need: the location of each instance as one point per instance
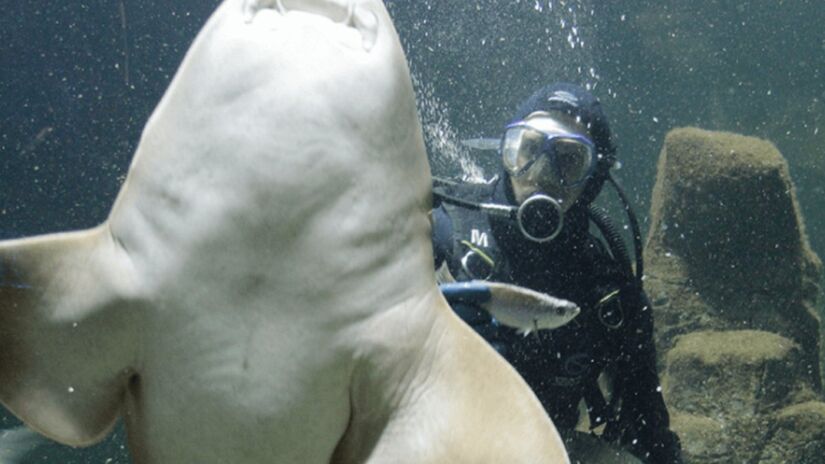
(344, 13)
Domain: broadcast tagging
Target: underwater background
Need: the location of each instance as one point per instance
(79, 79)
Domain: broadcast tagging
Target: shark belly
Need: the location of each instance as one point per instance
(228, 389)
(262, 290)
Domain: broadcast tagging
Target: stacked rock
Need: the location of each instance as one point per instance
(734, 284)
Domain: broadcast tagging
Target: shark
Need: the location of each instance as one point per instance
(262, 289)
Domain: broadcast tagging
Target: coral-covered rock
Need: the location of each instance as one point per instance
(732, 375)
(797, 435)
(704, 439)
(727, 247)
(734, 284)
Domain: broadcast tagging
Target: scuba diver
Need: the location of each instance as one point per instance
(530, 226)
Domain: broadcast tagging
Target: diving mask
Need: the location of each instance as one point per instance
(571, 157)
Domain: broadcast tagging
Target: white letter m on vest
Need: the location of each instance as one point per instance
(478, 238)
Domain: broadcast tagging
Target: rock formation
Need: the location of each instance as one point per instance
(734, 284)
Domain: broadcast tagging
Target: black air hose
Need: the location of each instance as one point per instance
(634, 227)
(613, 238)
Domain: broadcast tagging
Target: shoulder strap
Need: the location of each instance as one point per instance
(474, 253)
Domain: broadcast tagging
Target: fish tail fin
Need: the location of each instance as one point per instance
(62, 348)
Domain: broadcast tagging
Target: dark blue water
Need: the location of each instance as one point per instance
(77, 87)
(79, 79)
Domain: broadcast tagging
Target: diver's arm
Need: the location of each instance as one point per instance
(469, 293)
(644, 419)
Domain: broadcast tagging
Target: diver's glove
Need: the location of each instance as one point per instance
(473, 293)
(466, 299)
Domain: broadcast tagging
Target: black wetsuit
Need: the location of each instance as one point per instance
(613, 334)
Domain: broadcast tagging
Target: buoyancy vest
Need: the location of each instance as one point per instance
(561, 366)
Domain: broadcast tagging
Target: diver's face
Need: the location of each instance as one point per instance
(535, 181)
(542, 176)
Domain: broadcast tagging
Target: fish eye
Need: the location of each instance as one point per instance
(560, 311)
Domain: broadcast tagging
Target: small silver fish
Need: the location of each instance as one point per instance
(527, 310)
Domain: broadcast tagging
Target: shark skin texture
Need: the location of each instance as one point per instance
(262, 290)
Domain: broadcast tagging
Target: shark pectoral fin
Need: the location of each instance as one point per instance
(67, 338)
